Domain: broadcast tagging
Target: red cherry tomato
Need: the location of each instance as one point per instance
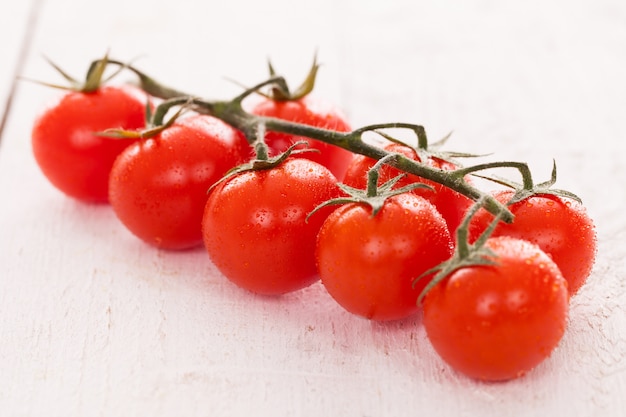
(368, 263)
(254, 225)
(449, 203)
(312, 112)
(158, 186)
(70, 155)
(560, 227)
(498, 322)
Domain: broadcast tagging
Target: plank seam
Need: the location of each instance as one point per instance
(26, 43)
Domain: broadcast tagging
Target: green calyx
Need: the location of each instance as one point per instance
(465, 254)
(93, 80)
(282, 92)
(529, 188)
(425, 150)
(263, 161)
(279, 89)
(155, 123)
(374, 195)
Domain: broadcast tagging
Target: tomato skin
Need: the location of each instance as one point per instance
(449, 203)
(498, 322)
(561, 228)
(158, 186)
(254, 225)
(312, 112)
(368, 263)
(72, 158)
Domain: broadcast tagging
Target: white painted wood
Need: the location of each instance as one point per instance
(95, 323)
(14, 23)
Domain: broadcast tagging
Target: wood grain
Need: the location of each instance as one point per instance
(16, 30)
(95, 323)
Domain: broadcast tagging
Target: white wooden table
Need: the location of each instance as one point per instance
(95, 323)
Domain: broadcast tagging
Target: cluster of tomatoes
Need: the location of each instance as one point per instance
(495, 304)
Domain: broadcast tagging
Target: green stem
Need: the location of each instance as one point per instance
(232, 113)
(161, 110)
(527, 179)
(260, 147)
(373, 175)
(462, 242)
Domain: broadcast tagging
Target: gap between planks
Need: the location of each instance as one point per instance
(26, 43)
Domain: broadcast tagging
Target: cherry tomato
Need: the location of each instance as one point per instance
(159, 185)
(498, 322)
(368, 263)
(450, 204)
(312, 112)
(70, 155)
(560, 227)
(254, 225)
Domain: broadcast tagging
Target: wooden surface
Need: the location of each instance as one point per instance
(95, 323)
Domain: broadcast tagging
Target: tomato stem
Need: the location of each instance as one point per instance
(232, 113)
(161, 110)
(522, 167)
(260, 147)
(465, 253)
(373, 174)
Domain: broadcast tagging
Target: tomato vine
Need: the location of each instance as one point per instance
(495, 269)
(233, 113)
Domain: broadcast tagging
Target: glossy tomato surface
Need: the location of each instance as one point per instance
(313, 112)
(449, 203)
(368, 263)
(65, 145)
(560, 227)
(498, 322)
(255, 229)
(158, 186)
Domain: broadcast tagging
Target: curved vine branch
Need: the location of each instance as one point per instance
(232, 113)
